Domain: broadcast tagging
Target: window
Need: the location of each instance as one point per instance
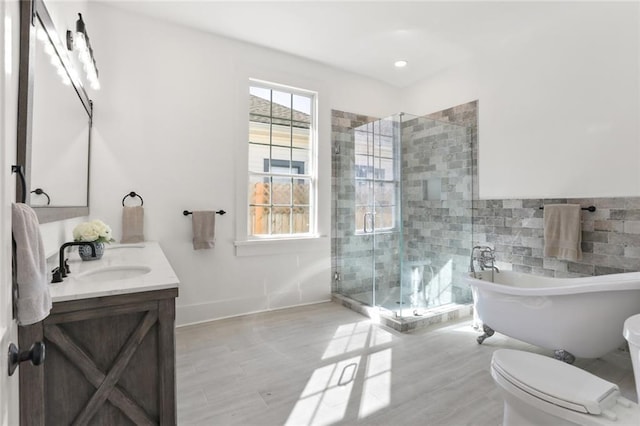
(282, 176)
(375, 177)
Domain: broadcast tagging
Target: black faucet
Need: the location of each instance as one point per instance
(63, 269)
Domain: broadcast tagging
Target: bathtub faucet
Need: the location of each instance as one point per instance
(485, 256)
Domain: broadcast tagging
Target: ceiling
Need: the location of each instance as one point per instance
(365, 38)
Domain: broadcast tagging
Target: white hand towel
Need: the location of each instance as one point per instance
(132, 224)
(562, 231)
(34, 300)
(204, 226)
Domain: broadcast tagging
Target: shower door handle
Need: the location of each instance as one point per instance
(371, 215)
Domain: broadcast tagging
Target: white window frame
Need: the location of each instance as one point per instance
(310, 173)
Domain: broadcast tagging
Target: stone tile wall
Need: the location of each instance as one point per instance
(610, 235)
(437, 229)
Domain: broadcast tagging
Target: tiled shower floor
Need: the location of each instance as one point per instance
(390, 313)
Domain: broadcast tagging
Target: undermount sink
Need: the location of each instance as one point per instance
(125, 246)
(113, 273)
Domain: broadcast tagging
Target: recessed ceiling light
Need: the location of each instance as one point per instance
(400, 64)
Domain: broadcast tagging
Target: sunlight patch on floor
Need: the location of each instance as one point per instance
(325, 398)
(356, 336)
(361, 366)
(376, 392)
(465, 328)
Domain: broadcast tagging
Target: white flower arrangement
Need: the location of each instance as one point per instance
(94, 231)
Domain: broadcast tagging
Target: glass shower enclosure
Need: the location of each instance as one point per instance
(402, 220)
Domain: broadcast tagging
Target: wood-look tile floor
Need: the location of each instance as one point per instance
(324, 364)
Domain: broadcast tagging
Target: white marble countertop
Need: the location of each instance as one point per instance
(85, 281)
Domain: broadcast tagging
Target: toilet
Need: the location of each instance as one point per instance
(540, 390)
(631, 332)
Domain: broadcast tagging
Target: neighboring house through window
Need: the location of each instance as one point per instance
(282, 176)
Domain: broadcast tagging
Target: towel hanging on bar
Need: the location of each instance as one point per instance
(132, 221)
(132, 224)
(204, 227)
(562, 232)
(34, 301)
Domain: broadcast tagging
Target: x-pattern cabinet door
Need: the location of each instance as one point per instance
(109, 361)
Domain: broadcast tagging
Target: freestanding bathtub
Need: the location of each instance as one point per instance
(575, 317)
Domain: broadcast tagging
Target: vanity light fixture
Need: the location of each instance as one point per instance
(80, 43)
(400, 64)
(53, 55)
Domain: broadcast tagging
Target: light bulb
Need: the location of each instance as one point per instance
(82, 55)
(79, 42)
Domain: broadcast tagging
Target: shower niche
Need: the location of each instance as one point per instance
(402, 196)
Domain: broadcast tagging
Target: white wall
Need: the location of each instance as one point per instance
(171, 124)
(559, 104)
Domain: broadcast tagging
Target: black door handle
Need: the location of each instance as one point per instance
(35, 354)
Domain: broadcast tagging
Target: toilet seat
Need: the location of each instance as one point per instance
(557, 383)
(631, 330)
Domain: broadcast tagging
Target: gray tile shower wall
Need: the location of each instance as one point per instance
(465, 115)
(437, 205)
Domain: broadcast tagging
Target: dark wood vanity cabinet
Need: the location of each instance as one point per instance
(109, 361)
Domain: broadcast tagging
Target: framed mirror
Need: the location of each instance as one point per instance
(54, 121)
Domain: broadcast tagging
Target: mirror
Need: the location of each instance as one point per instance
(54, 121)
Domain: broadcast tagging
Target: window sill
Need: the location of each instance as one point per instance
(274, 246)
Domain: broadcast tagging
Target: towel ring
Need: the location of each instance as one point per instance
(40, 191)
(133, 194)
(187, 212)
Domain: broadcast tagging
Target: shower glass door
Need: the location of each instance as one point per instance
(353, 254)
(377, 209)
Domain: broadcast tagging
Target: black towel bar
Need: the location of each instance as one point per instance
(590, 208)
(133, 194)
(187, 212)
